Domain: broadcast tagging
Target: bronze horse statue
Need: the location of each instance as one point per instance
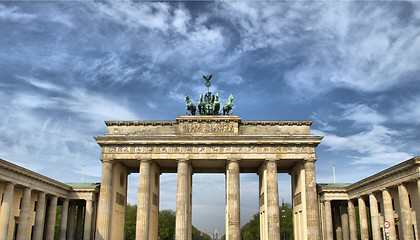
(216, 105)
(190, 106)
(228, 106)
(201, 105)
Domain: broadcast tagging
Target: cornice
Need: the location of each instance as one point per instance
(139, 123)
(31, 174)
(408, 164)
(278, 123)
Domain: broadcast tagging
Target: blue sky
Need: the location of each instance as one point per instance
(351, 67)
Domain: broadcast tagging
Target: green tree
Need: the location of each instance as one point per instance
(198, 235)
(286, 221)
(251, 230)
(130, 222)
(166, 224)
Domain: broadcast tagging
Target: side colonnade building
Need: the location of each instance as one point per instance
(30, 201)
(386, 204)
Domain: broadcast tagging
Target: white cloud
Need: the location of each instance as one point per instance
(386, 158)
(376, 145)
(97, 108)
(181, 20)
(13, 14)
(22, 101)
(361, 113)
(40, 84)
(347, 53)
(155, 16)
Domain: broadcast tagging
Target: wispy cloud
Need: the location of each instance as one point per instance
(362, 114)
(376, 145)
(12, 13)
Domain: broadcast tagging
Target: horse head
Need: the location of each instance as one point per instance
(231, 97)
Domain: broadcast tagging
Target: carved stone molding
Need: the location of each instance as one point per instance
(246, 148)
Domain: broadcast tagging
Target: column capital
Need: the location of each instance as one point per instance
(9, 183)
(313, 160)
(106, 160)
(183, 160)
(360, 197)
(271, 159)
(145, 160)
(229, 160)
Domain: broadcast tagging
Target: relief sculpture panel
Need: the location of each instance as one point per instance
(208, 127)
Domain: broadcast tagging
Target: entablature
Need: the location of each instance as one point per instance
(20, 176)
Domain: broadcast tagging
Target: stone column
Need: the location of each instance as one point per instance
(337, 223)
(143, 201)
(182, 202)
(233, 227)
(6, 209)
(389, 213)
(374, 215)
(405, 216)
(88, 220)
(352, 220)
(190, 181)
(312, 212)
(39, 217)
(79, 222)
(272, 201)
(52, 212)
(364, 231)
(63, 221)
(104, 210)
(72, 220)
(24, 214)
(328, 220)
(345, 222)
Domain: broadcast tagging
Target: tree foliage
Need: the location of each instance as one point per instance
(130, 222)
(166, 228)
(286, 221)
(251, 230)
(198, 235)
(166, 224)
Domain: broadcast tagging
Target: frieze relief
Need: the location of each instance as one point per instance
(258, 149)
(220, 127)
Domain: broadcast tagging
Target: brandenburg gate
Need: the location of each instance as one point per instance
(207, 144)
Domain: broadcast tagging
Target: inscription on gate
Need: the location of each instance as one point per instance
(310, 150)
